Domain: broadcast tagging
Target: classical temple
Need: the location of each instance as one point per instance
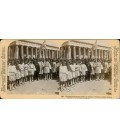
(78, 49)
(20, 49)
(71, 49)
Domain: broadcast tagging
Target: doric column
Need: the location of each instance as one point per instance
(74, 52)
(62, 53)
(84, 52)
(27, 51)
(53, 53)
(56, 54)
(16, 52)
(66, 52)
(99, 53)
(22, 52)
(107, 54)
(102, 54)
(39, 53)
(49, 53)
(32, 52)
(36, 52)
(69, 52)
(79, 52)
(88, 52)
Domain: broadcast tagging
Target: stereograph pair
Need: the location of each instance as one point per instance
(59, 69)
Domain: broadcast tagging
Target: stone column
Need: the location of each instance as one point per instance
(74, 52)
(39, 52)
(99, 53)
(66, 52)
(62, 53)
(92, 53)
(32, 52)
(56, 54)
(36, 52)
(49, 53)
(84, 52)
(88, 53)
(69, 52)
(102, 54)
(79, 52)
(21, 51)
(16, 52)
(107, 54)
(27, 51)
(96, 53)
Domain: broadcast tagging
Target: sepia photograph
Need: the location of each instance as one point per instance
(60, 67)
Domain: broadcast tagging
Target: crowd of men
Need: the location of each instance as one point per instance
(66, 72)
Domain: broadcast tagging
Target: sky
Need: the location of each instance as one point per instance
(59, 42)
(109, 42)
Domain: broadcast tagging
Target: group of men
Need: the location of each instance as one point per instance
(67, 72)
(21, 71)
(74, 71)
